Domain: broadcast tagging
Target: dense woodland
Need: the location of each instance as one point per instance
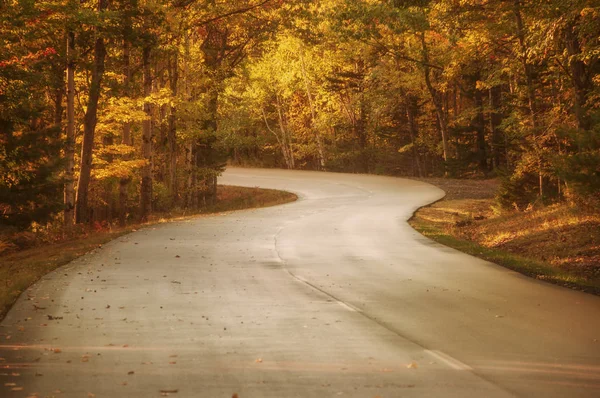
(111, 110)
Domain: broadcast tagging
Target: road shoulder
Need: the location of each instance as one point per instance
(555, 243)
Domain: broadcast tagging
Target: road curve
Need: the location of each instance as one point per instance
(332, 295)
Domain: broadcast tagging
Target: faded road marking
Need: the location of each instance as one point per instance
(448, 360)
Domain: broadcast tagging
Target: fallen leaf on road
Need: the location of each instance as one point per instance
(165, 393)
(172, 363)
(130, 372)
(57, 350)
(178, 256)
(259, 360)
(85, 358)
(235, 396)
(412, 365)
(90, 395)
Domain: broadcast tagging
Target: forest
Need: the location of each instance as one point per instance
(111, 110)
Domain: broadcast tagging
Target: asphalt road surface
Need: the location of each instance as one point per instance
(331, 296)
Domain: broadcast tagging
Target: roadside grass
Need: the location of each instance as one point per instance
(19, 269)
(557, 243)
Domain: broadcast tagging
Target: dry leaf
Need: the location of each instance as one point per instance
(130, 372)
(259, 360)
(412, 365)
(57, 350)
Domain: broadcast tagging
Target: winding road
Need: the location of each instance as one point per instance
(332, 295)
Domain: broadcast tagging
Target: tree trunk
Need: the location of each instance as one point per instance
(531, 94)
(411, 114)
(172, 133)
(580, 78)
(125, 133)
(285, 136)
(89, 125)
(495, 119)
(69, 198)
(282, 145)
(437, 102)
(479, 125)
(311, 104)
(146, 188)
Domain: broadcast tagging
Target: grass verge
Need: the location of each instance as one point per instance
(21, 269)
(557, 244)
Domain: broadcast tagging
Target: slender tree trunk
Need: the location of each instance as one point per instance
(191, 175)
(89, 125)
(285, 135)
(69, 198)
(531, 94)
(311, 104)
(207, 151)
(146, 188)
(125, 133)
(479, 124)
(411, 114)
(437, 102)
(172, 134)
(282, 145)
(580, 78)
(495, 118)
